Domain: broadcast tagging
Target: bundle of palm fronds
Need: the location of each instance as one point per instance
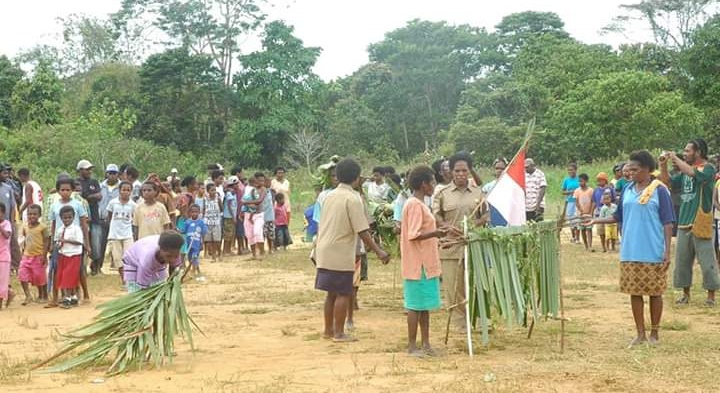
(138, 327)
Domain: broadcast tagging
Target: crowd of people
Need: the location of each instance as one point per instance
(153, 227)
(145, 229)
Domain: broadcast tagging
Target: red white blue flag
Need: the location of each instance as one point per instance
(507, 198)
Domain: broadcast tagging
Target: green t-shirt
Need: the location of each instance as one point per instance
(620, 184)
(690, 187)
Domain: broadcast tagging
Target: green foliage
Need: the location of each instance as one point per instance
(487, 131)
(115, 83)
(618, 113)
(10, 75)
(37, 100)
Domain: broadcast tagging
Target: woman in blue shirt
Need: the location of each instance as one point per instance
(646, 216)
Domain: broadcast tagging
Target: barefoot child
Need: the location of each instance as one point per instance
(34, 259)
(420, 260)
(120, 212)
(607, 211)
(69, 239)
(213, 219)
(6, 293)
(282, 234)
(585, 208)
(151, 217)
(195, 230)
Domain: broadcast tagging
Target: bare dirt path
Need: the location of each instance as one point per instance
(262, 325)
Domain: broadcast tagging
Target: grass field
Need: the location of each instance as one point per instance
(262, 325)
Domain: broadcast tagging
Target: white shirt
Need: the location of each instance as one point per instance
(72, 232)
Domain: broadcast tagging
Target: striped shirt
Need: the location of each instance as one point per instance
(533, 183)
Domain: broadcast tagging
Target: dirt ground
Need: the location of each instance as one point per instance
(262, 323)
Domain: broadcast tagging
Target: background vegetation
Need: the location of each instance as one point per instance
(165, 83)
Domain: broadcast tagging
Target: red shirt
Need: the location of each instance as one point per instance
(281, 217)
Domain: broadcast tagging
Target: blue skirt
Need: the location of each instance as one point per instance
(422, 294)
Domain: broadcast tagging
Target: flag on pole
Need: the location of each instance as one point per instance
(507, 198)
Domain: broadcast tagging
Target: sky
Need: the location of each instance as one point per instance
(342, 28)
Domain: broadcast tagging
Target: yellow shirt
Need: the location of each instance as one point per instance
(343, 217)
(150, 219)
(450, 205)
(35, 239)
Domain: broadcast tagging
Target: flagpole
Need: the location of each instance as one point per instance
(467, 291)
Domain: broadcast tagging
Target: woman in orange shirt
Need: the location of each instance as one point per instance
(420, 260)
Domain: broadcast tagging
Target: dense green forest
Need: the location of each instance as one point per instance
(428, 88)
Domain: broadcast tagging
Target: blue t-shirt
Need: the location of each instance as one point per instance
(570, 184)
(643, 232)
(194, 232)
(312, 225)
(230, 205)
(267, 207)
(77, 207)
(597, 197)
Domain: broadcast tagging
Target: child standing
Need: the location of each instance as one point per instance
(213, 216)
(6, 293)
(602, 187)
(69, 239)
(569, 185)
(268, 215)
(195, 231)
(254, 215)
(150, 217)
(34, 259)
(282, 233)
(229, 214)
(611, 232)
(585, 208)
(120, 214)
(420, 260)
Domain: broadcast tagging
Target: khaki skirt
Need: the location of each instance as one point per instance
(642, 279)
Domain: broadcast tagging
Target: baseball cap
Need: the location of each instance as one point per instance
(112, 168)
(84, 164)
(174, 170)
(602, 176)
(232, 180)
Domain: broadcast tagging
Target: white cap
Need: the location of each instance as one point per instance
(232, 180)
(84, 164)
(112, 168)
(174, 170)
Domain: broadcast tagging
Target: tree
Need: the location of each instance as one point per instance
(702, 63)
(515, 30)
(276, 90)
(672, 22)
(103, 84)
(205, 27)
(37, 100)
(183, 101)
(305, 149)
(618, 113)
(10, 75)
(87, 41)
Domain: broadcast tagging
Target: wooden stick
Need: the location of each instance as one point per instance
(561, 221)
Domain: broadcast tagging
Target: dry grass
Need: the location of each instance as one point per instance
(262, 321)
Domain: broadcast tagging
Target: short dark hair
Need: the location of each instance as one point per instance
(419, 175)
(123, 167)
(216, 173)
(170, 240)
(278, 169)
(194, 205)
(154, 185)
(35, 206)
(236, 169)
(348, 170)
(437, 168)
(23, 172)
(132, 172)
(584, 176)
(125, 183)
(644, 159)
(461, 156)
(700, 146)
(279, 197)
(389, 169)
(395, 178)
(67, 209)
(187, 180)
(210, 186)
(572, 164)
(379, 169)
(259, 174)
(64, 180)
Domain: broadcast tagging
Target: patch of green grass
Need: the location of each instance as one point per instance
(675, 325)
(253, 310)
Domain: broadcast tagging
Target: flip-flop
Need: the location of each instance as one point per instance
(417, 354)
(26, 302)
(636, 342)
(344, 339)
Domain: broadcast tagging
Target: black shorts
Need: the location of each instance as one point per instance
(334, 281)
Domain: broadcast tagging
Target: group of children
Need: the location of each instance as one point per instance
(247, 213)
(585, 202)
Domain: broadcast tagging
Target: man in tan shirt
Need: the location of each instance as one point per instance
(342, 220)
(450, 205)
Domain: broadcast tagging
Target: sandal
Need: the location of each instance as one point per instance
(682, 301)
(709, 302)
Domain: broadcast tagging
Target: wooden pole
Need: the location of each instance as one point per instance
(467, 292)
(561, 222)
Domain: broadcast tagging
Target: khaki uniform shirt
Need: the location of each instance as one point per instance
(451, 205)
(343, 217)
